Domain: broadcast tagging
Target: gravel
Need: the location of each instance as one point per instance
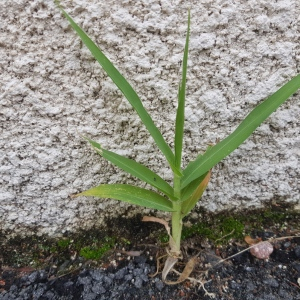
(65, 274)
(242, 277)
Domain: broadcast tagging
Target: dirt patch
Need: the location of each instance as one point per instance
(56, 263)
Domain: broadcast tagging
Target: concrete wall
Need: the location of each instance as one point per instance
(52, 90)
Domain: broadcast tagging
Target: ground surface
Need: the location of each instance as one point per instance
(65, 274)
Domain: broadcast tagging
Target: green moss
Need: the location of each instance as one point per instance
(60, 246)
(64, 243)
(223, 228)
(95, 252)
(92, 244)
(163, 238)
(274, 215)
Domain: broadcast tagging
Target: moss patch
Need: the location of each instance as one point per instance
(96, 243)
(224, 229)
(97, 250)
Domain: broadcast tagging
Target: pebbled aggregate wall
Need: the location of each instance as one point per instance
(52, 90)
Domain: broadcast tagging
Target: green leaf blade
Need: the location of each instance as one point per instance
(127, 91)
(187, 191)
(179, 124)
(192, 200)
(130, 194)
(134, 168)
(261, 112)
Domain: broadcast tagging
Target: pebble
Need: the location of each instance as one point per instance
(250, 286)
(33, 276)
(97, 275)
(98, 289)
(130, 281)
(271, 282)
(138, 282)
(296, 266)
(159, 285)
(297, 251)
(234, 285)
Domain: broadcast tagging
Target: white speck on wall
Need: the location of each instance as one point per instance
(52, 92)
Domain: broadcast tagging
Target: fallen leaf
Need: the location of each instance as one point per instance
(250, 241)
(188, 269)
(157, 220)
(133, 253)
(170, 262)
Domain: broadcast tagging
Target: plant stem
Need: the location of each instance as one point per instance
(177, 215)
(177, 226)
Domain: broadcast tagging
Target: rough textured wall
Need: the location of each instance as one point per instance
(52, 91)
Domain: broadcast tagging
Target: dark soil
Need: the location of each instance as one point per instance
(36, 268)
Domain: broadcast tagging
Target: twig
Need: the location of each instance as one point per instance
(225, 235)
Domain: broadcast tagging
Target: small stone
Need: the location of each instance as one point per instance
(33, 276)
(84, 280)
(296, 266)
(137, 272)
(128, 277)
(144, 277)
(13, 289)
(130, 266)
(262, 250)
(90, 296)
(138, 282)
(159, 285)
(49, 295)
(234, 285)
(250, 286)
(121, 273)
(140, 259)
(43, 275)
(97, 275)
(39, 291)
(107, 280)
(271, 282)
(297, 251)
(284, 294)
(249, 269)
(98, 289)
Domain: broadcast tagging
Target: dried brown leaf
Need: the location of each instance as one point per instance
(250, 241)
(157, 220)
(170, 262)
(188, 269)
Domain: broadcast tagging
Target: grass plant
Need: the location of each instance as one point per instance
(189, 184)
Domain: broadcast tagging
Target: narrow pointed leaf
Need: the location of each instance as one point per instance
(127, 91)
(188, 191)
(179, 125)
(209, 159)
(134, 168)
(130, 194)
(190, 203)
